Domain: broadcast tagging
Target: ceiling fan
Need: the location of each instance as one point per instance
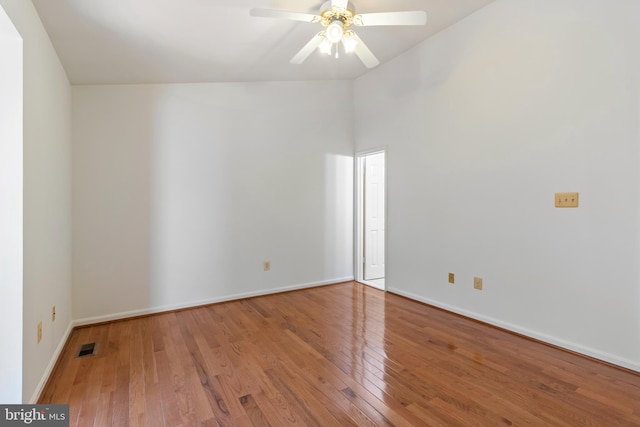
(337, 17)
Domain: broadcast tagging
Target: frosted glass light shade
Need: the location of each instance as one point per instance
(335, 31)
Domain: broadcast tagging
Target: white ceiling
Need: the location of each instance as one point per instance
(174, 41)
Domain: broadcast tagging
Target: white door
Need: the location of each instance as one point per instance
(374, 216)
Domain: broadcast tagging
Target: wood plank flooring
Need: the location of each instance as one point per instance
(340, 355)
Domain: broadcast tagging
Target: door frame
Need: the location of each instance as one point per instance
(359, 214)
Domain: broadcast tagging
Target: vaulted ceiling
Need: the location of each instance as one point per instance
(179, 41)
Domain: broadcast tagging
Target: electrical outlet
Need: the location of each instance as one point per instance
(477, 283)
(566, 200)
(39, 332)
(452, 278)
(267, 265)
(53, 313)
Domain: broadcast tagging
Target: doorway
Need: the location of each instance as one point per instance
(371, 217)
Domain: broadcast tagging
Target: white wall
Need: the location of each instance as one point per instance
(182, 191)
(484, 123)
(11, 263)
(47, 197)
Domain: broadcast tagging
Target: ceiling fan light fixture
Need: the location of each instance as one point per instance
(335, 31)
(325, 46)
(349, 42)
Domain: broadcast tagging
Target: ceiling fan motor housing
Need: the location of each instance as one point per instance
(330, 14)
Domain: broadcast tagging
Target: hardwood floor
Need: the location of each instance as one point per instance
(340, 355)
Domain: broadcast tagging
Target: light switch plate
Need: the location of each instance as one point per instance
(566, 200)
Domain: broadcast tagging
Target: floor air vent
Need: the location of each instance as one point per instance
(87, 350)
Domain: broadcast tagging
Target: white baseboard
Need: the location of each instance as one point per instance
(596, 354)
(52, 363)
(153, 310)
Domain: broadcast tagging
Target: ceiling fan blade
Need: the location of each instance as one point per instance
(307, 49)
(283, 14)
(415, 17)
(342, 4)
(366, 56)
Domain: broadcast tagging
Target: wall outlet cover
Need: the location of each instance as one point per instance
(452, 278)
(566, 200)
(477, 283)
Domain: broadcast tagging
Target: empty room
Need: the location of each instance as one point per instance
(279, 212)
